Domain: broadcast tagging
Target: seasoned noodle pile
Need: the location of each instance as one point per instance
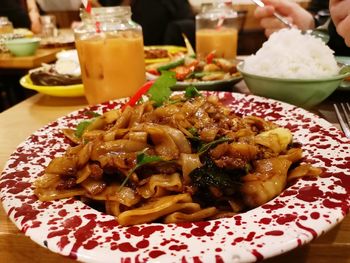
(190, 159)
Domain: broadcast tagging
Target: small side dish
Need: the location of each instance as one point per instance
(157, 54)
(283, 69)
(21, 47)
(190, 69)
(65, 71)
(283, 56)
(151, 53)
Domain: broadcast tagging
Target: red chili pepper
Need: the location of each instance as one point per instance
(210, 57)
(141, 91)
(153, 71)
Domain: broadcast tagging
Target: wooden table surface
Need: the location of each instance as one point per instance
(42, 55)
(20, 121)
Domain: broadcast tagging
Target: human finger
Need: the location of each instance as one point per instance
(332, 2)
(262, 12)
(339, 10)
(283, 7)
(270, 31)
(343, 29)
(272, 23)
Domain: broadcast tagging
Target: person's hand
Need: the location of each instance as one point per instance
(340, 13)
(296, 14)
(34, 17)
(36, 25)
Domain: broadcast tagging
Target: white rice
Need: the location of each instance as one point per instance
(290, 54)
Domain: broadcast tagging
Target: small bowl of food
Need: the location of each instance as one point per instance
(282, 70)
(21, 47)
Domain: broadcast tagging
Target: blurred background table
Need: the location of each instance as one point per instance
(18, 122)
(43, 55)
(13, 68)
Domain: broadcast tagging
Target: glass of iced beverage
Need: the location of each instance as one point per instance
(111, 55)
(217, 30)
(5, 25)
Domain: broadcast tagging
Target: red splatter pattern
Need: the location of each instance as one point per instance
(302, 212)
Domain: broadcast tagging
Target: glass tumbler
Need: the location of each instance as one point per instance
(111, 54)
(5, 25)
(49, 28)
(217, 28)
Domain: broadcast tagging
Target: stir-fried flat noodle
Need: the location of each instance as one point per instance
(188, 160)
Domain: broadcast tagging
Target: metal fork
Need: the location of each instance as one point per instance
(318, 32)
(343, 111)
(277, 15)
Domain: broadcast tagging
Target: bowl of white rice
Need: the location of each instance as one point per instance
(293, 67)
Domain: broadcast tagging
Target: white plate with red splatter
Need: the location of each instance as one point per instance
(302, 212)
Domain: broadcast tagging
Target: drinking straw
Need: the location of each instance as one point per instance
(87, 5)
(220, 23)
(222, 18)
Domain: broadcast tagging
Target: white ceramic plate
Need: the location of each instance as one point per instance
(302, 212)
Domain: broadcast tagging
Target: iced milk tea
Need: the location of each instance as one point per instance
(112, 66)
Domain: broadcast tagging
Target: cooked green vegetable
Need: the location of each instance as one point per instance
(171, 65)
(227, 181)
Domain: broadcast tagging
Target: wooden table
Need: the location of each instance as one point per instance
(23, 119)
(42, 55)
(13, 68)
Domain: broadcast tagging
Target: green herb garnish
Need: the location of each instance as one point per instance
(160, 90)
(81, 127)
(205, 147)
(248, 168)
(92, 114)
(193, 131)
(191, 92)
(142, 158)
(228, 181)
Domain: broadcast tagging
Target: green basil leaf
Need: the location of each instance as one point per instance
(81, 127)
(143, 158)
(160, 90)
(193, 131)
(207, 146)
(191, 92)
(92, 114)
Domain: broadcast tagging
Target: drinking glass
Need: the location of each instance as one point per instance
(217, 28)
(49, 28)
(111, 55)
(5, 25)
